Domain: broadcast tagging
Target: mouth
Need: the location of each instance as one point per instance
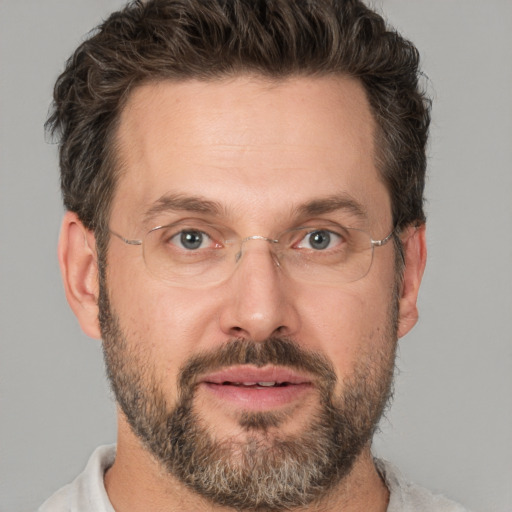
(257, 389)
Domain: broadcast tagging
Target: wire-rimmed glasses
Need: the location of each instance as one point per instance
(197, 253)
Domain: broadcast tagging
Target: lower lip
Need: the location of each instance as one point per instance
(257, 399)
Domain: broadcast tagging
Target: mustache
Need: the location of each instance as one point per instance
(272, 351)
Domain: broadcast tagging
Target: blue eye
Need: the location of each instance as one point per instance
(319, 240)
(191, 240)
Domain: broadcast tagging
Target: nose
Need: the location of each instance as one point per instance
(259, 301)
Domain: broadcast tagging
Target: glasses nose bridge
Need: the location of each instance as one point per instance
(253, 237)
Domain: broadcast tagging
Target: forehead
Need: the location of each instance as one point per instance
(254, 146)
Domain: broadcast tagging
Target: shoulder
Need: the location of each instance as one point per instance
(406, 496)
(87, 491)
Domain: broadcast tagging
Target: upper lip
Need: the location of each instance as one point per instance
(252, 374)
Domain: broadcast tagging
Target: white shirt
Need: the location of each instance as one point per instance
(87, 492)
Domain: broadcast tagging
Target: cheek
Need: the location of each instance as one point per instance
(167, 323)
(344, 324)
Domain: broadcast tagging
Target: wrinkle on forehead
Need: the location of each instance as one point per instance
(241, 142)
(195, 100)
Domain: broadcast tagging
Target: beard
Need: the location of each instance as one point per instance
(264, 469)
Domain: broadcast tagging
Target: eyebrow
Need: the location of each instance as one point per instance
(179, 202)
(331, 204)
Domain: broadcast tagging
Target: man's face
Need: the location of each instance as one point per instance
(269, 156)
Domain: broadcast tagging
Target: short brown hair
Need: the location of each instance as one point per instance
(206, 39)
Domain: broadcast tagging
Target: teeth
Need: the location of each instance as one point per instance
(249, 384)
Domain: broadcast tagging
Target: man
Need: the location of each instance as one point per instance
(245, 232)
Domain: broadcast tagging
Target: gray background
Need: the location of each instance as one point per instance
(450, 428)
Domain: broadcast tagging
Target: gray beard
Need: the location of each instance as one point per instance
(268, 470)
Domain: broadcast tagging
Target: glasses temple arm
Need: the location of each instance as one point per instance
(126, 240)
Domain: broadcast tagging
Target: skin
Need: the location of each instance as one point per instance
(260, 149)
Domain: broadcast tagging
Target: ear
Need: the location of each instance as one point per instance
(79, 268)
(415, 256)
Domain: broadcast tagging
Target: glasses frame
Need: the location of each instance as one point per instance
(373, 243)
